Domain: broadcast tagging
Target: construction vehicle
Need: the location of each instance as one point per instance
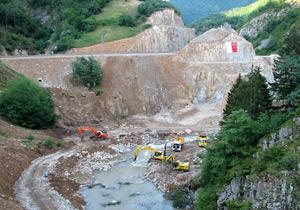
(96, 133)
(203, 140)
(161, 156)
(177, 144)
(157, 155)
(184, 166)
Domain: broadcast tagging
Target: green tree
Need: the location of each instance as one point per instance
(126, 20)
(88, 72)
(287, 81)
(26, 104)
(232, 97)
(235, 143)
(251, 94)
(291, 41)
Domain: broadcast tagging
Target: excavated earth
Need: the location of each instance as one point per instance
(159, 82)
(16, 157)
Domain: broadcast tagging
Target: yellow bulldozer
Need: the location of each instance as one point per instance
(161, 156)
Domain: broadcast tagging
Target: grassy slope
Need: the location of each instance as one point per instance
(108, 24)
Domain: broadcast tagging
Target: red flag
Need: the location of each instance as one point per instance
(234, 47)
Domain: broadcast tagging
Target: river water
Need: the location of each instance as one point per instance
(124, 185)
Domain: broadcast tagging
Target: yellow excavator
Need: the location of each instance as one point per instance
(157, 155)
(161, 156)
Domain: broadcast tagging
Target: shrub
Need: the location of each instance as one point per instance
(30, 137)
(25, 103)
(60, 143)
(288, 162)
(180, 198)
(150, 6)
(126, 20)
(87, 71)
(49, 143)
(238, 205)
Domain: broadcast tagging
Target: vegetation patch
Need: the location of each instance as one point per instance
(49, 143)
(15, 106)
(239, 16)
(87, 72)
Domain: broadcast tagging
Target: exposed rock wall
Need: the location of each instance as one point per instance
(211, 47)
(167, 34)
(146, 83)
(268, 191)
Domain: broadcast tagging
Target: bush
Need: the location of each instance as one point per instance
(238, 205)
(25, 103)
(49, 143)
(30, 137)
(180, 198)
(150, 6)
(126, 20)
(289, 162)
(60, 143)
(87, 71)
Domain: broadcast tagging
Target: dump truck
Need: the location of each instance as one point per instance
(178, 143)
(203, 140)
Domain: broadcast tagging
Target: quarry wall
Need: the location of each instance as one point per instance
(202, 72)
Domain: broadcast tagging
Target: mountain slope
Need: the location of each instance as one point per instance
(264, 22)
(192, 10)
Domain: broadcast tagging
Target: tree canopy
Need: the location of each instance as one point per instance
(25, 103)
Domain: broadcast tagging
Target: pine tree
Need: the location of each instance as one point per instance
(251, 94)
(287, 81)
(260, 98)
(231, 98)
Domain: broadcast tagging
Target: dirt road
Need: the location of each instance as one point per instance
(33, 189)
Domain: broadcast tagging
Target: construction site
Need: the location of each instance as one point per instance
(163, 95)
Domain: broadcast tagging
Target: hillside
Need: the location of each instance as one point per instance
(264, 22)
(192, 10)
(33, 27)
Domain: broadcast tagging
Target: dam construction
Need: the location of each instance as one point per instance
(161, 101)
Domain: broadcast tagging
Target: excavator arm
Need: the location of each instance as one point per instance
(97, 134)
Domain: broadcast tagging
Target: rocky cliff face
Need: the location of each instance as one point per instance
(167, 34)
(212, 47)
(268, 191)
(202, 73)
